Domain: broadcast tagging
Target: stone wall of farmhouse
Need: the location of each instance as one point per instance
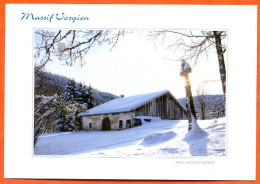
(117, 121)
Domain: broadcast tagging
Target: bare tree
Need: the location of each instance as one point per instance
(70, 45)
(194, 44)
(202, 102)
(217, 108)
(220, 51)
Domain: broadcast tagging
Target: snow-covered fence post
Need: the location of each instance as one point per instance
(184, 72)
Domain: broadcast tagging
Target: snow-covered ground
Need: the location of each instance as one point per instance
(159, 138)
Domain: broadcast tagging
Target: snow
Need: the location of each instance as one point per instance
(62, 46)
(160, 138)
(185, 66)
(123, 104)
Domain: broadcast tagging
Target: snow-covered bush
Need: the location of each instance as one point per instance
(53, 114)
(45, 113)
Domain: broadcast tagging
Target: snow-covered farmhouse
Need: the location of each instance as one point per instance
(125, 112)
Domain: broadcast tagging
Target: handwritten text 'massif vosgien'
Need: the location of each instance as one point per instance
(51, 17)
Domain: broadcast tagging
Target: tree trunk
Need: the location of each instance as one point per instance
(190, 100)
(222, 68)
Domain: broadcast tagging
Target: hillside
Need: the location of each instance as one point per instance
(49, 84)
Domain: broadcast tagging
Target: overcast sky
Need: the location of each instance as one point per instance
(137, 65)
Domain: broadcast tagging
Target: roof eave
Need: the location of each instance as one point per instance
(116, 112)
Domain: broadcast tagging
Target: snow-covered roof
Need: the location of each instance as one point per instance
(124, 104)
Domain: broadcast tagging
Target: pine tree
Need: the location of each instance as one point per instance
(82, 94)
(65, 122)
(79, 93)
(90, 97)
(70, 93)
(68, 119)
(85, 94)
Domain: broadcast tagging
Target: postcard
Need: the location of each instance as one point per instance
(132, 92)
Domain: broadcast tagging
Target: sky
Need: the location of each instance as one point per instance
(140, 65)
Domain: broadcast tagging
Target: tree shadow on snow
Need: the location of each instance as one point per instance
(158, 138)
(170, 150)
(197, 141)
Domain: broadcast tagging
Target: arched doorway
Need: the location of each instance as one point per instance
(106, 124)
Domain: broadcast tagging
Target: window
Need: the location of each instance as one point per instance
(128, 123)
(137, 122)
(90, 125)
(120, 123)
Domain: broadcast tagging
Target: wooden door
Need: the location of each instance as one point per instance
(106, 124)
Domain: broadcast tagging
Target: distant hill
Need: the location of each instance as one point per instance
(49, 84)
(102, 97)
(213, 98)
(215, 106)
